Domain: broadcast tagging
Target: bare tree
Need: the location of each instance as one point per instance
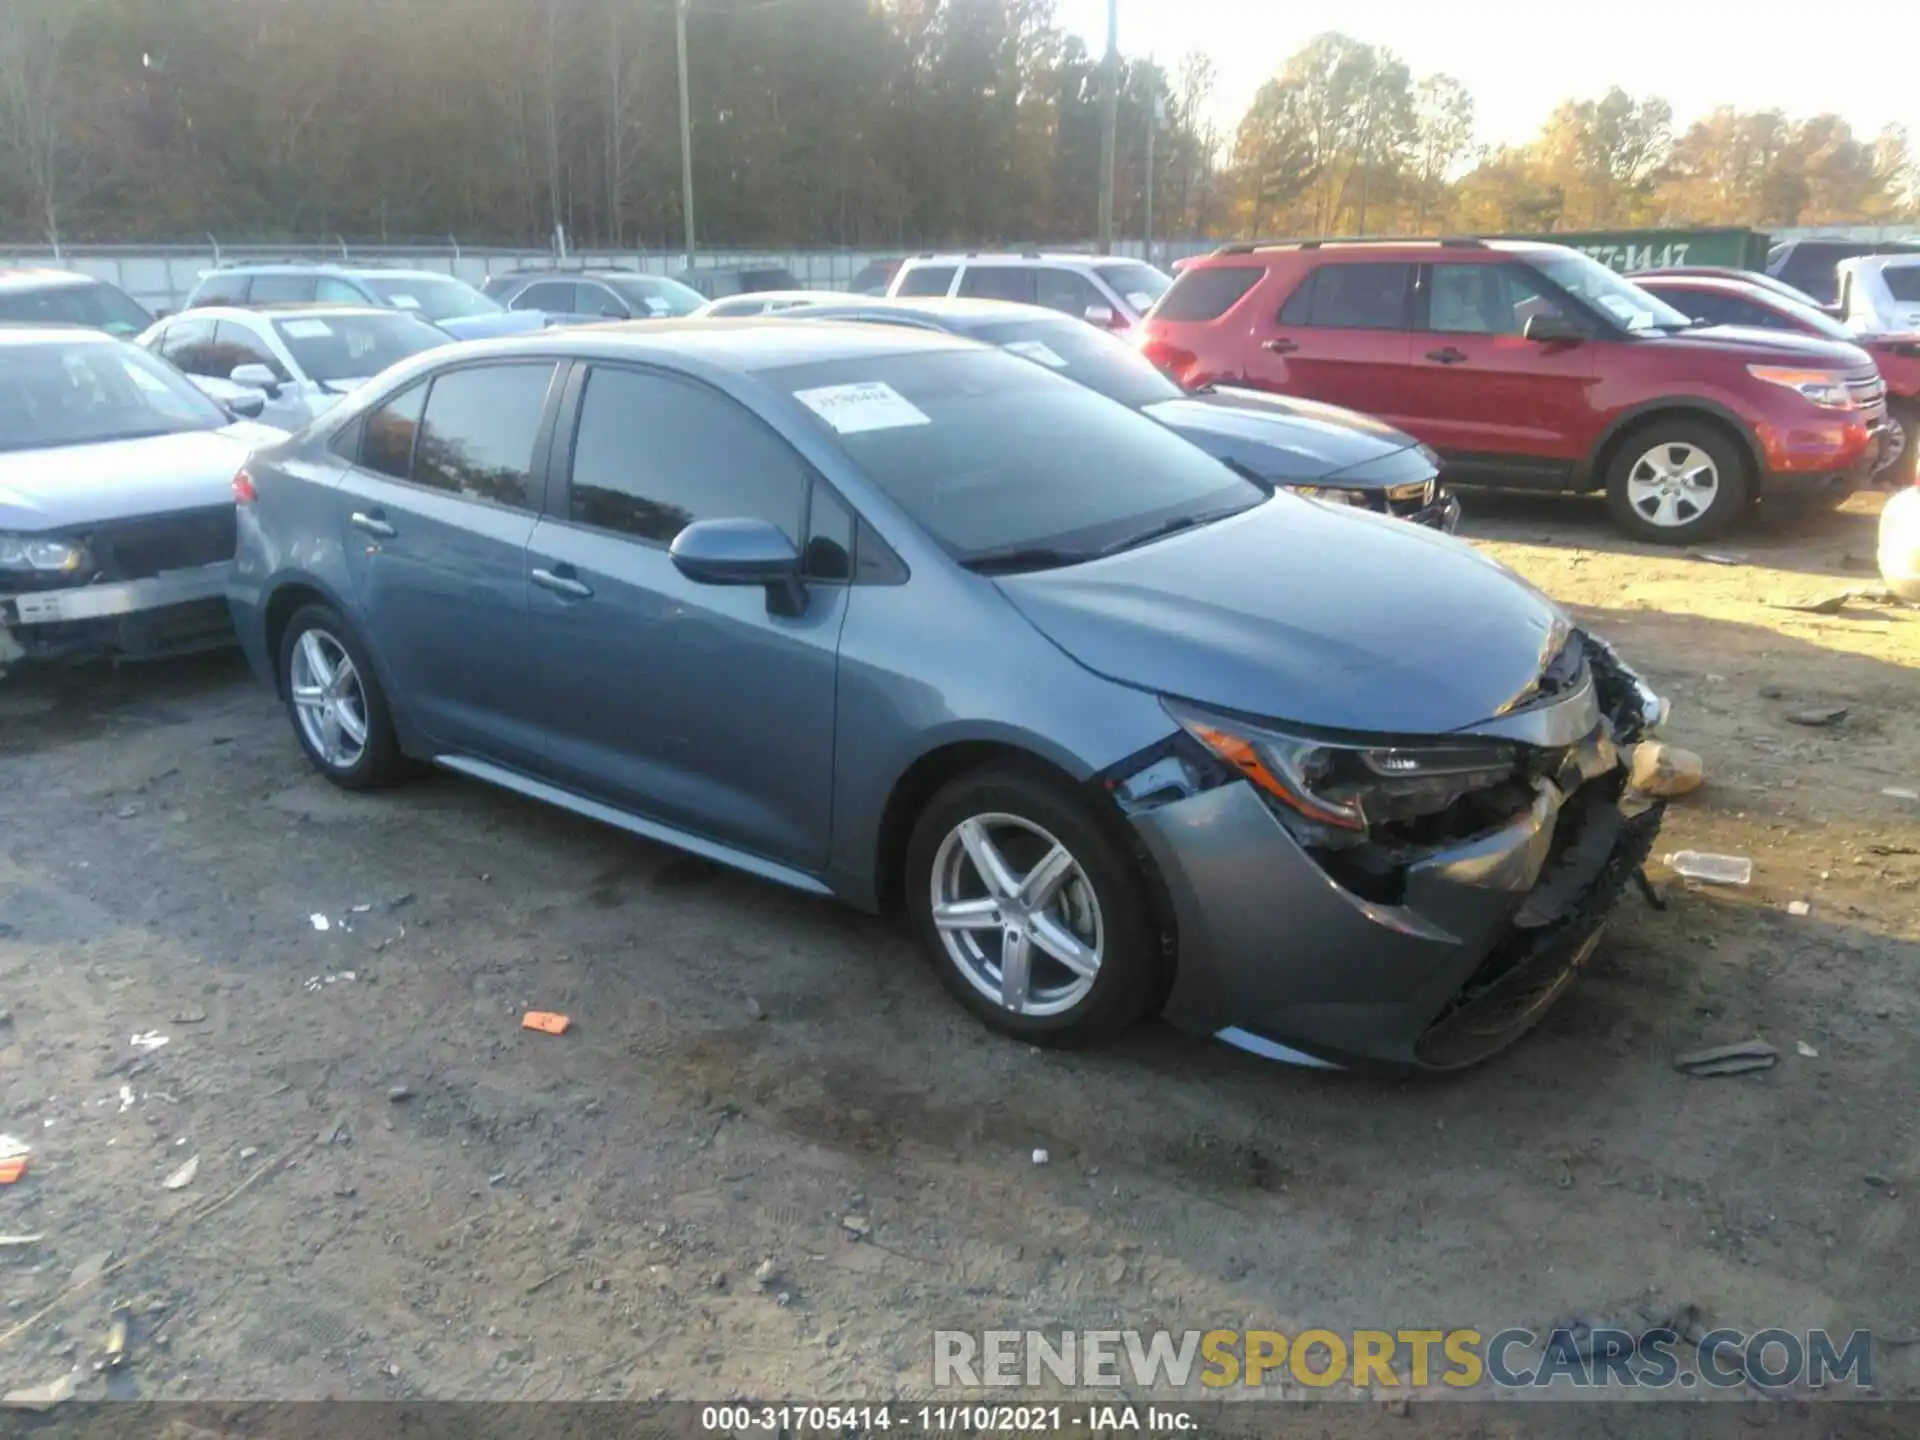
(36, 96)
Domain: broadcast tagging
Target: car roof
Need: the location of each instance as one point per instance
(35, 278)
(959, 315)
(1018, 257)
(31, 334)
(1388, 246)
(748, 297)
(759, 269)
(325, 267)
(1731, 284)
(1900, 260)
(308, 309)
(749, 343)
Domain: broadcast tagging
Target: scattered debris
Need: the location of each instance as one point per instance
(13, 1170)
(41, 1397)
(1728, 1059)
(361, 909)
(247, 1152)
(15, 1242)
(1710, 868)
(183, 1177)
(399, 1093)
(126, 1099)
(1805, 1050)
(1819, 716)
(546, 1022)
(1661, 769)
(127, 812)
(764, 1273)
(1900, 792)
(192, 1017)
(1799, 907)
(1830, 605)
(320, 922)
(12, 1145)
(90, 1269)
(6, 1017)
(320, 982)
(1772, 692)
(115, 1353)
(856, 1226)
(1040, 1157)
(1893, 850)
(148, 1040)
(1878, 1181)
(755, 1011)
(1714, 557)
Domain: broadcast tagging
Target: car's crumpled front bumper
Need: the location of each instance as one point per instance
(172, 613)
(1278, 956)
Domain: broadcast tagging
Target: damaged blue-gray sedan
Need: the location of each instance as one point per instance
(906, 620)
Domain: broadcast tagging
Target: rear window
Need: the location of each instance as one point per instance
(1903, 281)
(1207, 293)
(221, 290)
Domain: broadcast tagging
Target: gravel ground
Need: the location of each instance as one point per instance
(400, 1192)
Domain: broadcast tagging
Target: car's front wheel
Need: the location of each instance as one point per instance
(339, 712)
(1031, 910)
(1676, 482)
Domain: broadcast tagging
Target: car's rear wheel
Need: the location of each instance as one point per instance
(1030, 909)
(1678, 481)
(339, 712)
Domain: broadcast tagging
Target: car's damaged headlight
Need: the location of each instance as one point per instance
(1332, 495)
(1351, 785)
(41, 553)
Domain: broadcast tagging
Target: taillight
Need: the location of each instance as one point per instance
(243, 491)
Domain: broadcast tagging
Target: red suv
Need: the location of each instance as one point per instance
(1532, 366)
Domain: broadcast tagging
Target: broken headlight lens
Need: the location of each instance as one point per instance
(40, 552)
(1350, 784)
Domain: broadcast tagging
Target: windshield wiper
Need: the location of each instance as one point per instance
(1170, 526)
(1023, 557)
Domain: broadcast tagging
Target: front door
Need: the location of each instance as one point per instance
(1498, 405)
(1340, 337)
(693, 704)
(436, 518)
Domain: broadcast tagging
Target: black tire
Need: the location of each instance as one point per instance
(1731, 497)
(1129, 978)
(1905, 470)
(379, 762)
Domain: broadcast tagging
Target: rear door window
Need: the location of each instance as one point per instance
(999, 282)
(557, 297)
(1903, 282)
(1356, 296)
(188, 346)
(1207, 294)
(386, 443)
(236, 345)
(1069, 292)
(593, 298)
(477, 435)
(926, 280)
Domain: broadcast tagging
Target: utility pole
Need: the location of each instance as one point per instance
(1109, 123)
(686, 129)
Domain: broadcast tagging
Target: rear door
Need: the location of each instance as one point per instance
(1485, 396)
(692, 704)
(1341, 336)
(438, 511)
(559, 298)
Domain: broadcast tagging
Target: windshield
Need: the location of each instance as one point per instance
(1139, 285)
(433, 297)
(1621, 301)
(353, 347)
(655, 294)
(1814, 319)
(86, 392)
(98, 307)
(992, 457)
(1078, 351)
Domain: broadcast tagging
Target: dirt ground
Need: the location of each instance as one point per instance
(583, 1217)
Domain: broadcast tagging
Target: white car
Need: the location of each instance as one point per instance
(300, 358)
(763, 302)
(1900, 543)
(1880, 294)
(117, 481)
(1109, 291)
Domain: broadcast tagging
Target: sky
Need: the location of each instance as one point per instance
(1519, 61)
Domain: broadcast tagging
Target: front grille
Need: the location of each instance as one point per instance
(1411, 499)
(139, 549)
(1868, 390)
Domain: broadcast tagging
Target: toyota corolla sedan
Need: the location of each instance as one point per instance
(1331, 454)
(891, 616)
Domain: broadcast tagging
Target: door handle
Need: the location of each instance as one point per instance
(1447, 356)
(1282, 346)
(561, 584)
(373, 522)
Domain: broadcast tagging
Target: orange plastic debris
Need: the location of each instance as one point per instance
(12, 1170)
(546, 1022)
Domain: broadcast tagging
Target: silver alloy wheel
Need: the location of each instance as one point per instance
(1017, 915)
(1673, 485)
(328, 700)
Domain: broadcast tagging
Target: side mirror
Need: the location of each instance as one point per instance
(1101, 316)
(256, 376)
(245, 407)
(1553, 328)
(742, 552)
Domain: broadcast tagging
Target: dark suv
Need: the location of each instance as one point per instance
(1532, 366)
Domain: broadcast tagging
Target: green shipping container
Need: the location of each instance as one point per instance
(1626, 250)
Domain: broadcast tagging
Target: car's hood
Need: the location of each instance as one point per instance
(1301, 611)
(1289, 443)
(70, 485)
(1761, 346)
(486, 327)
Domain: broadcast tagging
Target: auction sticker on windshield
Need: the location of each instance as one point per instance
(307, 329)
(871, 405)
(1035, 350)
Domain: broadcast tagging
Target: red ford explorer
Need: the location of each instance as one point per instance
(1532, 366)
